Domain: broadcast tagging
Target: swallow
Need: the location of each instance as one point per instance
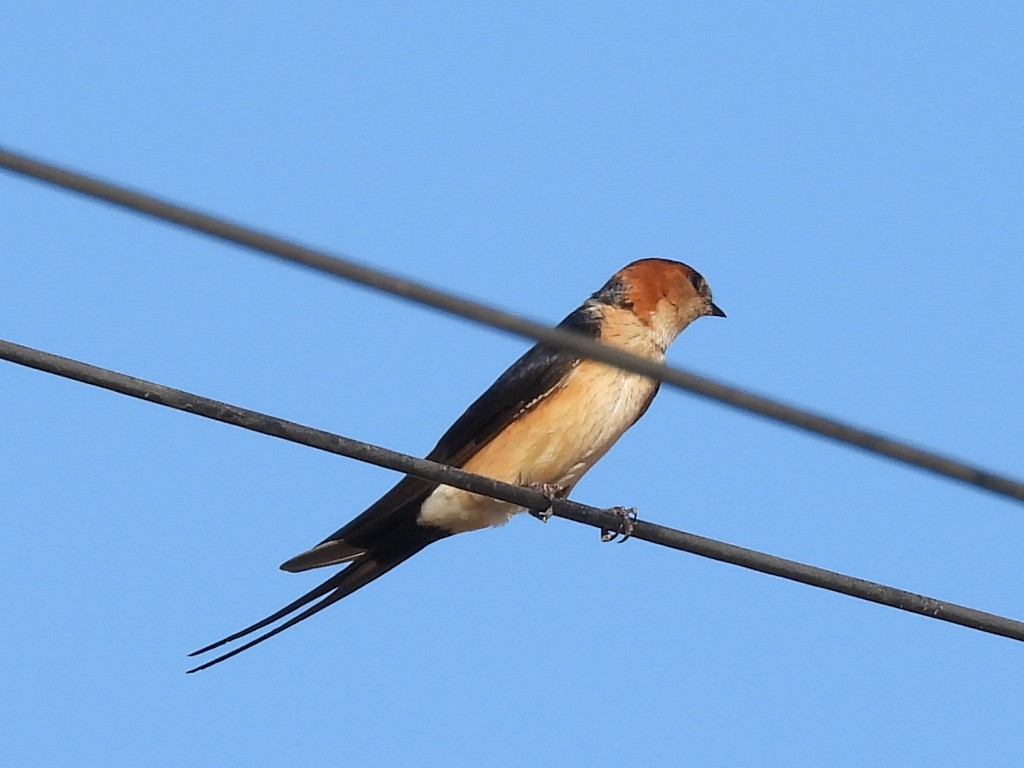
(543, 424)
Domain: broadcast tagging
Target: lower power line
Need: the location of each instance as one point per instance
(605, 519)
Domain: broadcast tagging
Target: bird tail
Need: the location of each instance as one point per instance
(357, 575)
(327, 552)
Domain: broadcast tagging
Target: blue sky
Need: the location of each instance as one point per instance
(847, 177)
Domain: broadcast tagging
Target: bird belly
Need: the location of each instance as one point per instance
(555, 442)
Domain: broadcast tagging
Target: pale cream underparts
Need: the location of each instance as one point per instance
(561, 436)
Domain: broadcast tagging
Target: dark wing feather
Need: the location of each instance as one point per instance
(526, 382)
(388, 532)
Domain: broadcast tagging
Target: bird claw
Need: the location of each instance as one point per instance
(551, 492)
(542, 514)
(628, 515)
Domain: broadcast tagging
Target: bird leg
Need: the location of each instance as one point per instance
(551, 492)
(628, 515)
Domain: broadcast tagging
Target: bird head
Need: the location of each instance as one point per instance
(666, 296)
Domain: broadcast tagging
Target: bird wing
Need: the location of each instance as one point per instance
(388, 532)
(526, 383)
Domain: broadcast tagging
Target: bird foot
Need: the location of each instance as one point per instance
(551, 492)
(625, 530)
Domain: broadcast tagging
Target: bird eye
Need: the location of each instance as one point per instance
(699, 284)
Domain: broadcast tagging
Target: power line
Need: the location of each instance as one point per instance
(1001, 485)
(524, 497)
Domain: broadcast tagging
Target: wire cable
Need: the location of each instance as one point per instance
(605, 519)
(774, 410)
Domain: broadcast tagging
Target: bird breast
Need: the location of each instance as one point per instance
(556, 441)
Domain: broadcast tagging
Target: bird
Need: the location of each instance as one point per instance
(543, 423)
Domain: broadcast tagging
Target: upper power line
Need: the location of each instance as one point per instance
(349, 270)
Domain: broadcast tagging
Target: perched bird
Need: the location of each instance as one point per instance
(543, 423)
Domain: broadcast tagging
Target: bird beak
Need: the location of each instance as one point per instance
(714, 311)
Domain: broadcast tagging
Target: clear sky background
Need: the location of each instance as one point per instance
(848, 177)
